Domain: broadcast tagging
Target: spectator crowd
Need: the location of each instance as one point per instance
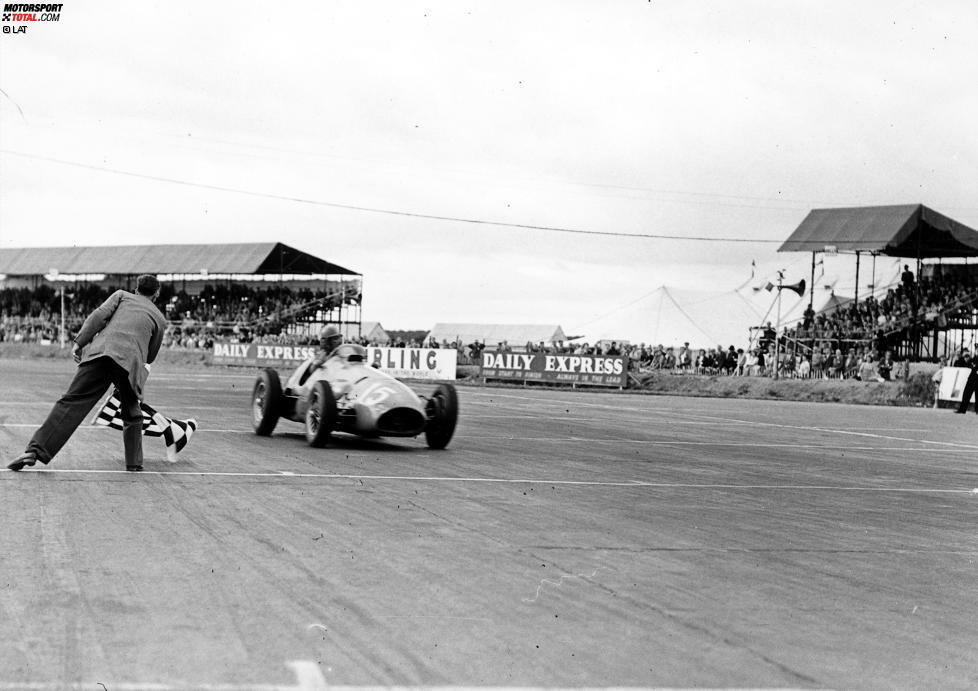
(856, 340)
(244, 312)
(885, 322)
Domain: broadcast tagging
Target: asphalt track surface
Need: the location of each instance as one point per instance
(565, 538)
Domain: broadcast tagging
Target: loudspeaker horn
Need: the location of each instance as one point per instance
(798, 287)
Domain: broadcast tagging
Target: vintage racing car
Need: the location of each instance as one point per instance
(346, 394)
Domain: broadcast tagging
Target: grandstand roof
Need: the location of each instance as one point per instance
(237, 258)
(491, 334)
(911, 230)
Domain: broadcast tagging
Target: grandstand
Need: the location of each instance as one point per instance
(240, 291)
(924, 316)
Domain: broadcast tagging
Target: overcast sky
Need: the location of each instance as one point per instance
(722, 120)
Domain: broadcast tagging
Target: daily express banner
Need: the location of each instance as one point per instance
(596, 370)
(406, 363)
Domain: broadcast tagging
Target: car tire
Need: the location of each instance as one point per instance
(320, 414)
(266, 402)
(442, 411)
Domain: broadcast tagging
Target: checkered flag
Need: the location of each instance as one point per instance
(176, 433)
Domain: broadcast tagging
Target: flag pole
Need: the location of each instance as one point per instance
(777, 329)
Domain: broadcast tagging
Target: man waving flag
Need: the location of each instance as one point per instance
(176, 433)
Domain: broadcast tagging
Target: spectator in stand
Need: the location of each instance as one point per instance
(885, 366)
(754, 364)
(962, 359)
(658, 357)
(730, 361)
(475, 350)
(635, 358)
(906, 278)
(838, 364)
(818, 363)
(805, 368)
(669, 361)
(741, 363)
(684, 360)
(867, 369)
(788, 364)
(851, 367)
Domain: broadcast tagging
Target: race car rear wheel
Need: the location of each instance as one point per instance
(320, 415)
(266, 400)
(442, 411)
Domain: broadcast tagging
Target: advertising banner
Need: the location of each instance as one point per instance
(260, 354)
(593, 370)
(415, 363)
(953, 380)
(404, 363)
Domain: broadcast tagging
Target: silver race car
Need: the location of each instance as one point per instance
(345, 394)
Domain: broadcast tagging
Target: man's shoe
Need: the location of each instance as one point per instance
(134, 468)
(26, 458)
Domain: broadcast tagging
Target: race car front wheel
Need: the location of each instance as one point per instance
(442, 410)
(266, 399)
(320, 415)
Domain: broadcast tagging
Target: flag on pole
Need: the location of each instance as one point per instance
(176, 433)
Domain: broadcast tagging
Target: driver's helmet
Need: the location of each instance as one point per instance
(330, 338)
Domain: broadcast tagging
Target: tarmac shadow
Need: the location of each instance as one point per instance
(353, 442)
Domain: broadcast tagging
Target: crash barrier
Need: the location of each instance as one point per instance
(405, 363)
(951, 388)
(589, 370)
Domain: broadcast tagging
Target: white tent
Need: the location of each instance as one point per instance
(516, 335)
(671, 317)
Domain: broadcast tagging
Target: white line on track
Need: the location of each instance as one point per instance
(755, 423)
(307, 673)
(843, 432)
(959, 448)
(630, 484)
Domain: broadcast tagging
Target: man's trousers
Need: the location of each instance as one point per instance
(970, 387)
(90, 383)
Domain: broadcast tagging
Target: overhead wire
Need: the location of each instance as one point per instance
(189, 140)
(378, 210)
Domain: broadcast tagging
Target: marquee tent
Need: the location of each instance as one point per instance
(672, 316)
(910, 230)
(516, 335)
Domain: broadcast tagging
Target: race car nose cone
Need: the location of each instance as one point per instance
(401, 422)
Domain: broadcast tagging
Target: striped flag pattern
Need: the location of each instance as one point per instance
(176, 433)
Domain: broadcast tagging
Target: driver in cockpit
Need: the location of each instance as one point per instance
(329, 340)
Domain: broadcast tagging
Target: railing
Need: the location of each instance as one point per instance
(949, 312)
(282, 317)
